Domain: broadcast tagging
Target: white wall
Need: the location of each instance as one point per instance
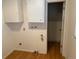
(54, 33)
(13, 34)
(69, 43)
(58, 31)
(30, 38)
(8, 44)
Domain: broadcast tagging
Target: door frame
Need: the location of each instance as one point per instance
(62, 29)
(63, 18)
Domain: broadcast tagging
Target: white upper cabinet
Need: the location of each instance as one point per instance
(61, 0)
(35, 10)
(12, 11)
(55, 1)
(52, 0)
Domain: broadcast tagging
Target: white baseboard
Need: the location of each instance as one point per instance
(30, 51)
(3, 57)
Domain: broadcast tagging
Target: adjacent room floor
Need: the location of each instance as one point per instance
(53, 53)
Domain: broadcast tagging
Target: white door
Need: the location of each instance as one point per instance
(13, 10)
(69, 41)
(35, 10)
(72, 17)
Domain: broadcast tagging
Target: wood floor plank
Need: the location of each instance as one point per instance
(53, 53)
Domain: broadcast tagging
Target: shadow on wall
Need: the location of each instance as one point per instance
(14, 26)
(31, 26)
(38, 26)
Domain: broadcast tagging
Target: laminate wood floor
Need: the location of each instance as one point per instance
(53, 53)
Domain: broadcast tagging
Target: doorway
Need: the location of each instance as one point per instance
(55, 14)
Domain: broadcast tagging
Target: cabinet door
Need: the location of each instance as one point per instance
(55, 1)
(35, 10)
(52, 1)
(61, 0)
(11, 10)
